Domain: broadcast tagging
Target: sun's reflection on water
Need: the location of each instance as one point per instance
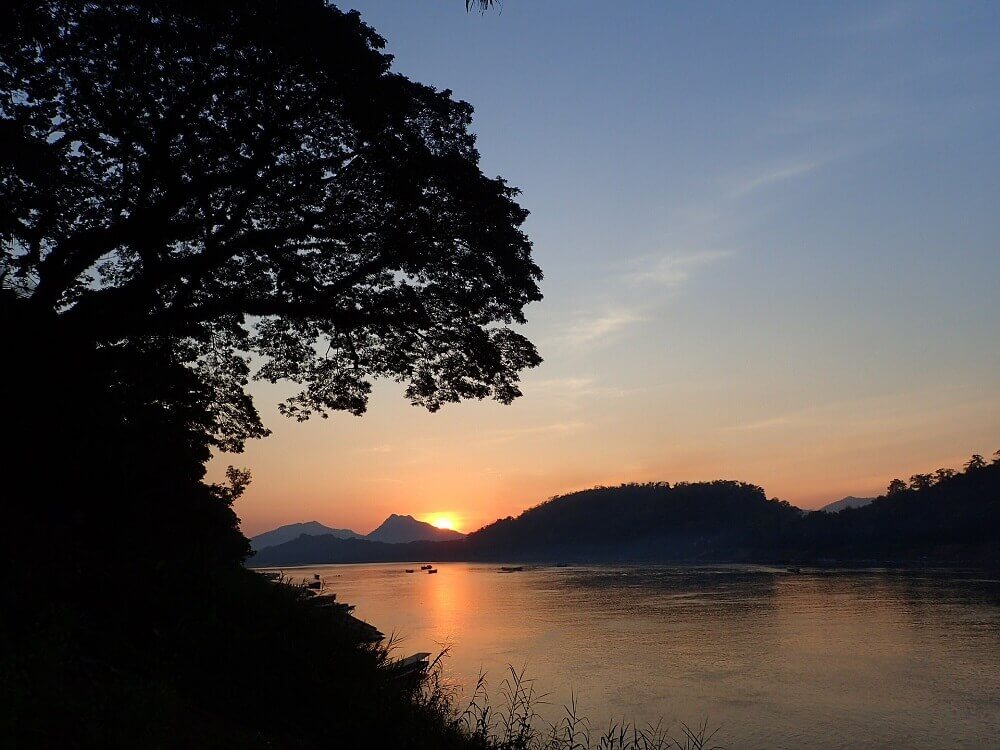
(840, 657)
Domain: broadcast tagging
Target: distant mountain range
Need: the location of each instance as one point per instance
(847, 502)
(292, 531)
(957, 520)
(314, 550)
(395, 529)
(403, 529)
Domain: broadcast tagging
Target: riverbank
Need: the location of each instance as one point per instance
(219, 659)
(216, 659)
(765, 654)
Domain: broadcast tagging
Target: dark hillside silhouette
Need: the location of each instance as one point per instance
(642, 521)
(956, 519)
(396, 529)
(318, 550)
(291, 531)
(846, 502)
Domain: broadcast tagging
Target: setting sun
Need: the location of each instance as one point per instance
(442, 521)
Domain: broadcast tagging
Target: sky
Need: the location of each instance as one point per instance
(770, 235)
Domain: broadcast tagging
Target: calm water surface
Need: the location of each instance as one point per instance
(822, 659)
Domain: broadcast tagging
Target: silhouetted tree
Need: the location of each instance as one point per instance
(943, 475)
(921, 481)
(186, 188)
(975, 463)
(996, 457)
(895, 487)
(251, 178)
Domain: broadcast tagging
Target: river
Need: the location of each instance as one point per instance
(824, 659)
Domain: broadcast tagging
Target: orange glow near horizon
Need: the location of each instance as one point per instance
(476, 462)
(443, 521)
(765, 315)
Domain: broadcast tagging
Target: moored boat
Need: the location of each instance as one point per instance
(411, 665)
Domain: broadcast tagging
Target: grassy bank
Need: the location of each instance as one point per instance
(229, 660)
(220, 660)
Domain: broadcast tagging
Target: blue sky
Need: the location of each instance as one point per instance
(771, 243)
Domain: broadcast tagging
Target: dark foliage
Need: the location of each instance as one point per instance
(224, 659)
(482, 5)
(108, 460)
(642, 521)
(327, 548)
(186, 188)
(171, 169)
(187, 185)
(630, 522)
(956, 519)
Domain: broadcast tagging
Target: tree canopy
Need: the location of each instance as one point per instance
(250, 182)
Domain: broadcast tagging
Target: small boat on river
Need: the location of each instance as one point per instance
(432, 570)
(411, 665)
(507, 569)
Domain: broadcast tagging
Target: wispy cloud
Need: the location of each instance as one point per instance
(563, 385)
(557, 427)
(594, 328)
(674, 269)
(811, 416)
(764, 424)
(775, 175)
(571, 391)
(898, 410)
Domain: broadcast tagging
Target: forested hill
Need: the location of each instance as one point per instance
(952, 518)
(631, 521)
(946, 517)
(643, 521)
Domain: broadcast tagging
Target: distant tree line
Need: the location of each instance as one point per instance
(926, 481)
(955, 519)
